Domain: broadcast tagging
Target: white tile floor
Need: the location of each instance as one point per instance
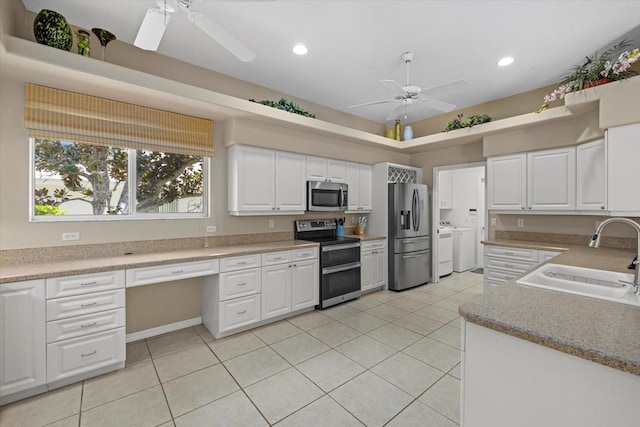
(385, 359)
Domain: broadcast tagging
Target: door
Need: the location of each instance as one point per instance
(316, 169)
(290, 171)
(336, 170)
(408, 209)
(507, 182)
(276, 290)
(410, 269)
(591, 176)
(22, 336)
(623, 178)
(353, 181)
(256, 179)
(366, 270)
(304, 284)
(378, 270)
(366, 187)
(551, 179)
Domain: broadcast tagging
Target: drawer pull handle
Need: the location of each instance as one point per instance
(88, 283)
(177, 271)
(242, 284)
(305, 254)
(88, 304)
(277, 258)
(89, 354)
(508, 253)
(242, 312)
(242, 262)
(89, 325)
(509, 265)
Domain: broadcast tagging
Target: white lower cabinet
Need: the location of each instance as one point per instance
(503, 263)
(239, 312)
(305, 290)
(373, 256)
(22, 338)
(276, 290)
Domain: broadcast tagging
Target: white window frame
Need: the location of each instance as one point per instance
(132, 215)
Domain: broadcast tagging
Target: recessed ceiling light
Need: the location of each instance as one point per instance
(505, 61)
(300, 49)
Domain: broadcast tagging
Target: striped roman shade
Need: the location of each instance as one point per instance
(68, 116)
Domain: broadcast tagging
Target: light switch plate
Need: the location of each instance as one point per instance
(272, 223)
(493, 221)
(520, 222)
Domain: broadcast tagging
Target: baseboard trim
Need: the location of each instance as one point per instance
(148, 333)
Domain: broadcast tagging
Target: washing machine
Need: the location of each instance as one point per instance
(464, 249)
(445, 251)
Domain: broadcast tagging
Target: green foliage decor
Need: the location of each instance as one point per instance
(459, 123)
(286, 105)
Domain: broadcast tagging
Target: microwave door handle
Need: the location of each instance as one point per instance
(341, 197)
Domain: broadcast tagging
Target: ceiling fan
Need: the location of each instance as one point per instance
(156, 20)
(408, 95)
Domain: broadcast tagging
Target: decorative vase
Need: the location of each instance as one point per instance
(105, 38)
(51, 29)
(397, 130)
(84, 47)
(391, 134)
(408, 133)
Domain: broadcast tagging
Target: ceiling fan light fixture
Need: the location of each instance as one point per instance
(507, 60)
(152, 29)
(300, 49)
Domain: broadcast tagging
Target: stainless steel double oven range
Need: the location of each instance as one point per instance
(339, 260)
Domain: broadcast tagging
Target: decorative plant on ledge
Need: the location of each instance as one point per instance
(286, 105)
(597, 70)
(471, 121)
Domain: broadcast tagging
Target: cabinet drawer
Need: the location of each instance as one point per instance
(239, 262)
(67, 286)
(306, 253)
(376, 244)
(62, 308)
(499, 277)
(163, 273)
(276, 257)
(515, 266)
(239, 312)
(239, 283)
(80, 355)
(84, 325)
(512, 253)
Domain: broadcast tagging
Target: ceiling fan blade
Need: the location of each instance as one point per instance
(450, 85)
(393, 85)
(396, 112)
(152, 29)
(222, 36)
(436, 105)
(371, 103)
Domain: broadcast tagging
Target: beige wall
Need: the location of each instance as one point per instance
(458, 155)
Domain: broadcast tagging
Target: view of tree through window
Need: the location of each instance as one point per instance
(75, 179)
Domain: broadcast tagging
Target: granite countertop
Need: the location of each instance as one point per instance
(601, 331)
(30, 271)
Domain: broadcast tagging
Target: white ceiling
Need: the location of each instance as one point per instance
(353, 44)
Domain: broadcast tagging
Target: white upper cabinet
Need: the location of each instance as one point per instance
(445, 189)
(323, 169)
(551, 179)
(591, 176)
(264, 182)
(623, 171)
(359, 178)
(507, 182)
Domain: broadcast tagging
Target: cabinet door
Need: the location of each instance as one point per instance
(591, 176)
(366, 270)
(256, 179)
(353, 181)
(304, 284)
(316, 169)
(551, 179)
(366, 187)
(22, 336)
(379, 271)
(507, 182)
(336, 170)
(290, 182)
(445, 189)
(276, 290)
(623, 180)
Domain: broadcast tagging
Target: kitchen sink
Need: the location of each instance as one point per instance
(601, 284)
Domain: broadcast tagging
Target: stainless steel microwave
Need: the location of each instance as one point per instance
(327, 196)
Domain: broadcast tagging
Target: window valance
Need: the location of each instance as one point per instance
(62, 115)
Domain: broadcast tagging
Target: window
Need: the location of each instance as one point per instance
(73, 180)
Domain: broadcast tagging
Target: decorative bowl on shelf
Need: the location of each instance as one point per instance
(52, 29)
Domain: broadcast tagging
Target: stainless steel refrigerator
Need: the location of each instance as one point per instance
(409, 261)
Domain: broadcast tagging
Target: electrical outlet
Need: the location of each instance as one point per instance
(211, 228)
(520, 222)
(272, 223)
(353, 220)
(75, 235)
(493, 221)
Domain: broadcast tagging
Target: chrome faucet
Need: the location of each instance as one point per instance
(595, 242)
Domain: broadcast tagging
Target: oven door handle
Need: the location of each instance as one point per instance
(340, 247)
(331, 270)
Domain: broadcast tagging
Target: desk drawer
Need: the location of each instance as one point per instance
(62, 308)
(508, 265)
(499, 277)
(80, 355)
(239, 312)
(239, 263)
(272, 258)
(240, 283)
(78, 326)
(67, 286)
(511, 253)
(178, 271)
